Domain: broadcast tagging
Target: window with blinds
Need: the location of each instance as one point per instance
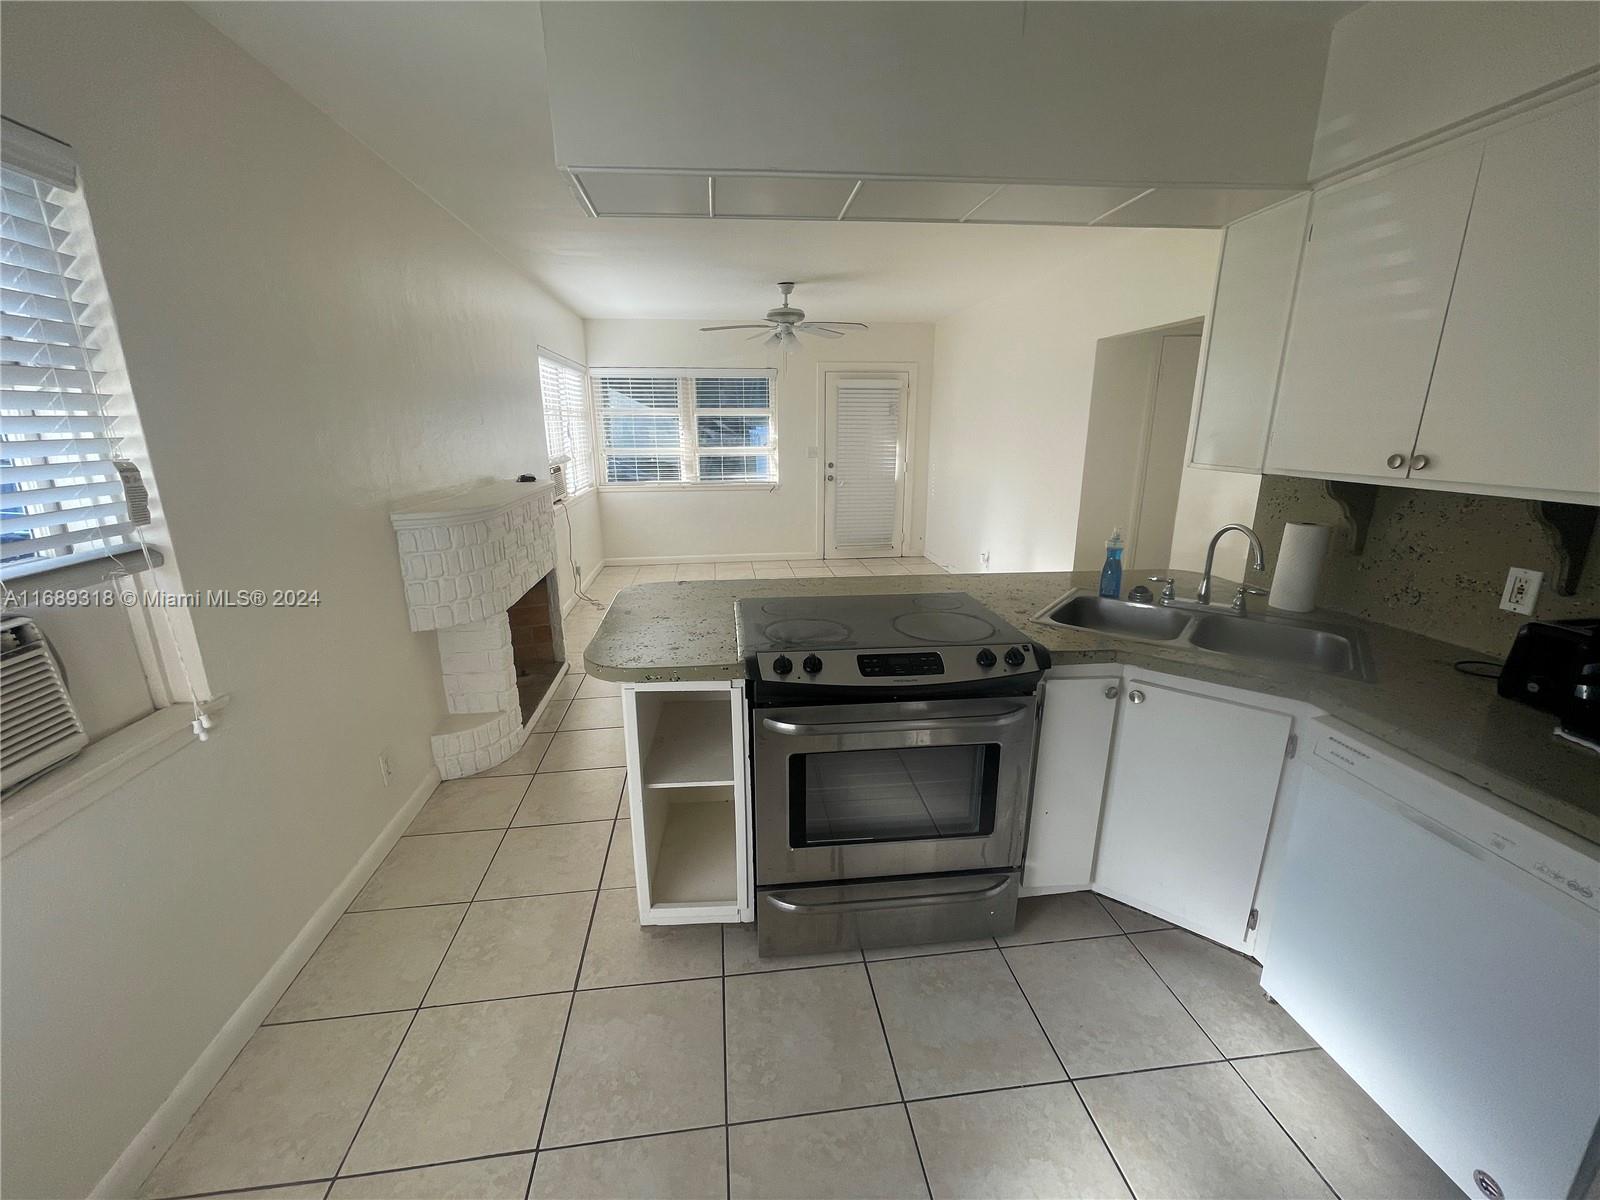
(61, 493)
(703, 427)
(566, 422)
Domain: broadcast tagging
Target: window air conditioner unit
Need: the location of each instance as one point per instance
(558, 474)
(38, 725)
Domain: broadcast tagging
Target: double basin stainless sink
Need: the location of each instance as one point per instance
(1331, 649)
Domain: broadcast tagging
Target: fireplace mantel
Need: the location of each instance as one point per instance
(467, 555)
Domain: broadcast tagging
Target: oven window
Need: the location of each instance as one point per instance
(892, 795)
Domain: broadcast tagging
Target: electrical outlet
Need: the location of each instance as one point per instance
(384, 769)
(1522, 590)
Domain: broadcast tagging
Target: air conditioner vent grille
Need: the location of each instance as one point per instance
(38, 725)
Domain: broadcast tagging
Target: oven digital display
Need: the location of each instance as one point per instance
(900, 664)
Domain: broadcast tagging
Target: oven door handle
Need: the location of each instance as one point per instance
(1008, 717)
(777, 900)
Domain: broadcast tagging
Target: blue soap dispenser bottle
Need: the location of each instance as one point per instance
(1111, 573)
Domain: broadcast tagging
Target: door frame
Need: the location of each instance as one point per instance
(909, 473)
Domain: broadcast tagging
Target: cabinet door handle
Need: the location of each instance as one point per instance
(1136, 697)
(1111, 692)
(1419, 462)
(1396, 461)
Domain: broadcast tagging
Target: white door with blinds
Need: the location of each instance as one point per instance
(864, 464)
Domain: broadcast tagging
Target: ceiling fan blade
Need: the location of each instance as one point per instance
(756, 337)
(716, 328)
(839, 324)
(820, 330)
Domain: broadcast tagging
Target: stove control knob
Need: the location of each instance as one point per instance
(781, 665)
(812, 664)
(986, 658)
(1014, 657)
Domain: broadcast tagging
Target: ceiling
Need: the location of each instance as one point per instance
(453, 96)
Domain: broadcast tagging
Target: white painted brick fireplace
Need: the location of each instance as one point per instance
(466, 557)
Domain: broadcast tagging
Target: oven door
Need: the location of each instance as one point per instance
(865, 791)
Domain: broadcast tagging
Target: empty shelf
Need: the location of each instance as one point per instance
(697, 860)
(692, 747)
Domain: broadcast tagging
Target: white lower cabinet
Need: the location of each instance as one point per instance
(1189, 800)
(1075, 724)
(689, 800)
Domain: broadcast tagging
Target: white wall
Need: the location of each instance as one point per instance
(578, 532)
(1124, 378)
(1133, 465)
(1208, 500)
(309, 338)
(1012, 384)
(1398, 72)
(784, 522)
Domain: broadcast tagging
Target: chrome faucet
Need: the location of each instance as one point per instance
(1203, 593)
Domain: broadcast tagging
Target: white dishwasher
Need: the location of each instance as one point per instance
(1445, 951)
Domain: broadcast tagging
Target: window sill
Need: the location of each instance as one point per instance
(690, 487)
(102, 768)
(86, 573)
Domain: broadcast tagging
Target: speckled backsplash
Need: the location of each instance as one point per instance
(1435, 562)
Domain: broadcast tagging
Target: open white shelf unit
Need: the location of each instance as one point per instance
(688, 795)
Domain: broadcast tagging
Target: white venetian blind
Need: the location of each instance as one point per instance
(641, 427)
(734, 437)
(566, 421)
(706, 427)
(61, 497)
(867, 421)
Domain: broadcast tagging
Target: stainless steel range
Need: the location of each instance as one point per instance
(892, 739)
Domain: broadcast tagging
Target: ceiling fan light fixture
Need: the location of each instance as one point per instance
(786, 323)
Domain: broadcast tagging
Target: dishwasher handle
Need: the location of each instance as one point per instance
(824, 729)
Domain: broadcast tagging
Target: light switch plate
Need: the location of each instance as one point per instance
(1522, 590)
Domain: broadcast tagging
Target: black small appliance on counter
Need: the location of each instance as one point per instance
(1555, 666)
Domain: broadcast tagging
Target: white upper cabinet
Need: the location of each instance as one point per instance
(1374, 285)
(1244, 337)
(1515, 399)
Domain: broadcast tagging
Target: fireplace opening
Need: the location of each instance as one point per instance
(537, 651)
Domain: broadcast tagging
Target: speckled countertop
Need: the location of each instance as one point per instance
(659, 632)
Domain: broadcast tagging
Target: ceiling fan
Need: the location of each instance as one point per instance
(783, 322)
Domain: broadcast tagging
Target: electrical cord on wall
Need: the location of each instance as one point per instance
(572, 557)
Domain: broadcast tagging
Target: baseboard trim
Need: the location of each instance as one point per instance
(140, 1156)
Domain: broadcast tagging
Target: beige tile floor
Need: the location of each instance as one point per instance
(489, 1020)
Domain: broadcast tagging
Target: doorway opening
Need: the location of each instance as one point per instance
(1134, 476)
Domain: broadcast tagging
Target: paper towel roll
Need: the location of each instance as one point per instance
(1300, 555)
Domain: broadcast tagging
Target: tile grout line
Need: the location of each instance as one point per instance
(1204, 1032)
(727, 1123)
(418, 1010)
(1050, 1041)
(702, 1128)
(572, 1003)
(895, 1071)
(1234, 1069)
(1292, 1140)
(727, 1131)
